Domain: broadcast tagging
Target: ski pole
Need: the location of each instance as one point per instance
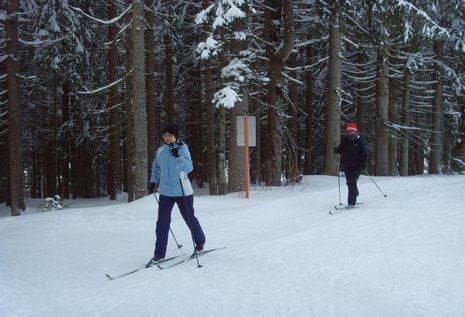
(339, 184)
(179, 245)
(375, 184)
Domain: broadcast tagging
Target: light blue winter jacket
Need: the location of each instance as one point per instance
(167, 171)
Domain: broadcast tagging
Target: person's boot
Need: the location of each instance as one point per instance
(199, 247)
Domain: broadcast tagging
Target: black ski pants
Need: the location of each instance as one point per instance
(352, 174)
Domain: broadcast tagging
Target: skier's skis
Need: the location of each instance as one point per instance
(150, 263)
(190, 257)
(339, 209)
(145, 266)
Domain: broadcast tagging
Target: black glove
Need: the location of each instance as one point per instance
(175, 152)
(151, 187)
(335, 150)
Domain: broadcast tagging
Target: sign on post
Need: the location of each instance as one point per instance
(252, 129)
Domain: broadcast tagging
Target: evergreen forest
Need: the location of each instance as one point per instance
(86, 88)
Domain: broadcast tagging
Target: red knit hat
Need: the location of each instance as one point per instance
(351, 127)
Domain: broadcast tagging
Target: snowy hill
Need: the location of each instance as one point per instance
(402, 255)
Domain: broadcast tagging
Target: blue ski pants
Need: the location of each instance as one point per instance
(186, 207)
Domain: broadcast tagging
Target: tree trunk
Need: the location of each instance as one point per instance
(277, 54)
(4, 160)
(129, 120)
(65, 142)
(459, 150)
(255, 154)
(56, 144)
(418, 158)
(194, 126)
(74, 171)
(139, 104)
(308, 164)
(274, 163)
(3, 170)
(404, 150)
(235, 165)
(114, 170)
(334, 90)
(436, 142)
(17, 202)
(393, 118)
(210, 131)
(171, 114)
(153, 120)
(293, 148)
(50, 161)
(236, 153)
(382, 106)
(222, 185)
(35, 191)
(362, 87)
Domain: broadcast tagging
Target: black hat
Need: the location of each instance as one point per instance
(173, 129)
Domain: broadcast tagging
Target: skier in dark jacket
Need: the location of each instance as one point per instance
(171, 165)
(353, 160)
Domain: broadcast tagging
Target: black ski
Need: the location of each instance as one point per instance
(145, 266)
(190, 257)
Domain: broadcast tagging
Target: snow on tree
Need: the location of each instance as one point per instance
(229, 32)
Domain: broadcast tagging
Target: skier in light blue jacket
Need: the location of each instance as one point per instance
(171, 165)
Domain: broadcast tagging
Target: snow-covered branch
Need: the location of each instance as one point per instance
(123, 29)
(105, 22)
(39, 42)
(426, 30)
(107, 86)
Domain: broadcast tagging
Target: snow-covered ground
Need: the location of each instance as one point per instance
(403, 255)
